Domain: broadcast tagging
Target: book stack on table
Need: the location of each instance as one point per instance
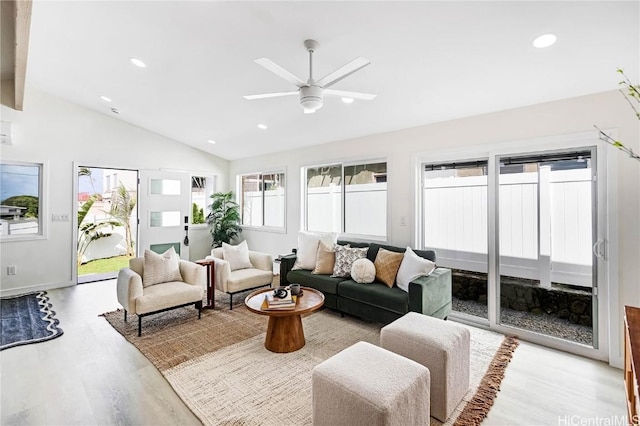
(271, 302)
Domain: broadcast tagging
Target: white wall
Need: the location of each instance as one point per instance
(58, 133)
(608, 110)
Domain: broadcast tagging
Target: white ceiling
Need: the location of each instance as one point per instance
(431, 61)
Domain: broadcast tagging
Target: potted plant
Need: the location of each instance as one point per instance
(224, 218)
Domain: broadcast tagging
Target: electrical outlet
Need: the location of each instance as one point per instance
(12, 270)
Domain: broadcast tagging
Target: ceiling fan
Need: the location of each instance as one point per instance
(312, 92)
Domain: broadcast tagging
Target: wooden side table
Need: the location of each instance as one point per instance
(210, 264)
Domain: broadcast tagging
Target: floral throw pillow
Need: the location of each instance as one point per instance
(345, 256)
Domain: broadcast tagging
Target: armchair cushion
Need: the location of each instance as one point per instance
(237, 256)
(160, 268)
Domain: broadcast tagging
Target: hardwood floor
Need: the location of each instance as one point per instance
(92, 375)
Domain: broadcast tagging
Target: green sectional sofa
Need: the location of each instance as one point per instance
(429, 295)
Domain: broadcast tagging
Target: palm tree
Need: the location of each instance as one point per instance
(89, 232)
(122, 206)
(224, 218)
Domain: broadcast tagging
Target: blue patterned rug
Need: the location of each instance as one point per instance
(27, 319)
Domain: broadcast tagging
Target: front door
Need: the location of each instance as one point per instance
(164, 211)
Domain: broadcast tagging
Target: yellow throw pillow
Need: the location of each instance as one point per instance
(387, 264)
(325, 260)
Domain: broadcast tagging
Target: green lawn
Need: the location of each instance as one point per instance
(100, 266)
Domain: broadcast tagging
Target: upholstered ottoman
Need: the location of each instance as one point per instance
(442, 347)
(367, 385)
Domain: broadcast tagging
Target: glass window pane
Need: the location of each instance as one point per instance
(251, 192)
(366, 199)
(199, 198)
(21, 200)
(274, 199)
(454, 214)
(324, 198)
(165, 219)
(165, 187)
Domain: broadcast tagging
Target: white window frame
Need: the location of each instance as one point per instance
(343, 164)
(266, 228)
(42, 199)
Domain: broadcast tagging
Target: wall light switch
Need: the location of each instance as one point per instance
(59, 217)
(403, 221)
(12, 270)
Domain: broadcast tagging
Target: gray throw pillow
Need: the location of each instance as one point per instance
(345, 256)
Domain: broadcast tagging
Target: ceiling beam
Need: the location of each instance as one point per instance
(23, 25)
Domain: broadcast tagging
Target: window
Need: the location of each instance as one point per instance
(21, 200)
(201, 189)
(262, 199)
(347, 198)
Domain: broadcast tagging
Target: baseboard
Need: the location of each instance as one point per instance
(33, 288)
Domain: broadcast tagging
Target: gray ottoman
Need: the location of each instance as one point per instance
(442, 347)
(367, 385)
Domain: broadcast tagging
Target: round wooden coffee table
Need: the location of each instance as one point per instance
(284, 332)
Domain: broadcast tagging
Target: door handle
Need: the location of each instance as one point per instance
(598, 249)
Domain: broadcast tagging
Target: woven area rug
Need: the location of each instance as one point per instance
(223, 373)
(27, 319)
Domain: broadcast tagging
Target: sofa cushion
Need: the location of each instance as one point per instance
(345, 256)
(243, 279)
(237, 256)
(324, 283)
(363, 271)
(160, 268)
(308, 243)
(387, 264)
(167, 295)
(374, 247)
(376, 294)
(412, 267)
(325, 260)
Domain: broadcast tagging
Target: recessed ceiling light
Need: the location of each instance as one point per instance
(138, 63)
(105, 98)
(347, 100)
(211, 141)
(544, 40)
(262, 126)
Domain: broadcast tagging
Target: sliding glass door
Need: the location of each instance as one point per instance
(520, 233)
(546, 220)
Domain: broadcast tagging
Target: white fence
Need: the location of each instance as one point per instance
(455, 224)
(274, 205)
(365, 209)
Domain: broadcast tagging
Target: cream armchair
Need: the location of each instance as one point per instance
(232, 282)
(143, 300)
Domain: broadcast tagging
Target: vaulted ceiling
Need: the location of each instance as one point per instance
(431, 61)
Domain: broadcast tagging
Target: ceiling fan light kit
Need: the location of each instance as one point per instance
(312, 92)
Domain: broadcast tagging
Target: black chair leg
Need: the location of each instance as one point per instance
(139, 325)
(230, 301)
(199, 308)
(125, 315)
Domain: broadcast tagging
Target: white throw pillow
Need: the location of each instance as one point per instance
(412, 267)
(363, 271)
(160, 268)
(308, 243)
(237, 256)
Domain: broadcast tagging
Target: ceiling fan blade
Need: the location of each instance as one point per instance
(279, 71)
(343, 72)
(270, 95)
(346, 94)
